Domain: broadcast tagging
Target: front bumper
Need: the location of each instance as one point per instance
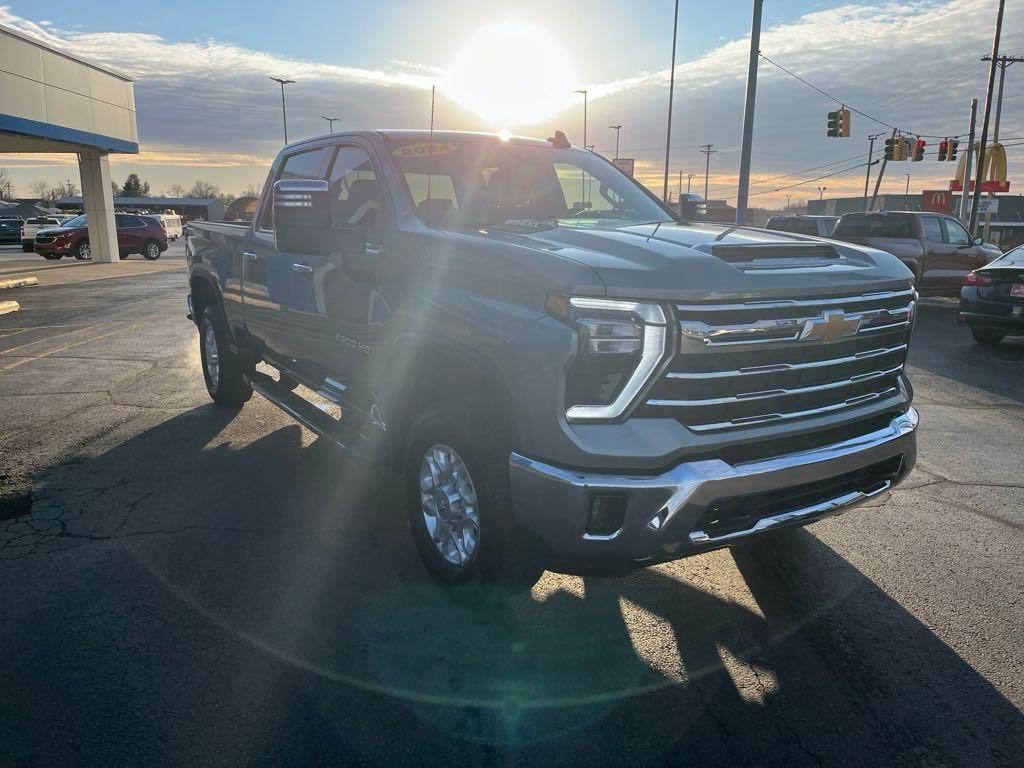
(681, 512)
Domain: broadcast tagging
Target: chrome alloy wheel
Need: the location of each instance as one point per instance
(85, 252)
(212, 356)
(449, 505)
(152, 251)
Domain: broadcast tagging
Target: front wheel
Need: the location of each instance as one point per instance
(83, 252)
(27, 247)
(151, 250)
(51, 256)
(460, 511)
(222, 370)
(987, 338)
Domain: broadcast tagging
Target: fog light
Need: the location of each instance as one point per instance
(606, 516)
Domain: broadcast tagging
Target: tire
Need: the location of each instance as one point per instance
(151, 250)
(83, 252)
(51, 256)
(451, 461)
(27, 247)
(222, 370)
(122, 256)
(987, 338)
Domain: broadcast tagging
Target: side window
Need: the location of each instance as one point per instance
(932, 228)
(955, 234)
(304, 165)
(122, 220)
(357, 196)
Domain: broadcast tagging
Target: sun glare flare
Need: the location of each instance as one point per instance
(512, 74)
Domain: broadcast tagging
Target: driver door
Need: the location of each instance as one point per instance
(963, 256)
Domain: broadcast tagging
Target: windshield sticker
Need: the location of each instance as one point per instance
(423, 150)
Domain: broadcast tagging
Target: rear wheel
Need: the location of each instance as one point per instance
(83, 252)
(222, 369)
(460, 511)
(987, 338)
(151, 250)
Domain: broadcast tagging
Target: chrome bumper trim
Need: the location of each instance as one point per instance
(692, 485)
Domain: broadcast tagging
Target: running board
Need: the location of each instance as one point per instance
(310, 416)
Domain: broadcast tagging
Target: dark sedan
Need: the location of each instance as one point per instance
(135, 234)
(10, 229)
(992, 299)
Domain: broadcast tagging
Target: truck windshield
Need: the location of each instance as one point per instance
(477, 184)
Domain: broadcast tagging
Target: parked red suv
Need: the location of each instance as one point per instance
(135, 234)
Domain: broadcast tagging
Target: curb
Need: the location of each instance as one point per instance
(19, 282)
(6, 307)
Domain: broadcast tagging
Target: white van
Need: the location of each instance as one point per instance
(171, 222)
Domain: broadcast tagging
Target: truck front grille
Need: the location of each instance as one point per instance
(745, 364)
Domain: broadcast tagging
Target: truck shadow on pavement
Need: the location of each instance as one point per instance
(261, 603)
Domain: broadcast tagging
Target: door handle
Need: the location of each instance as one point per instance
(249, 255)
(298, 267)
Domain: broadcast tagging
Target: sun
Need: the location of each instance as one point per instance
(512, 74)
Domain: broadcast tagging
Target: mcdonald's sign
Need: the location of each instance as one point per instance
(994, 171)
(937, 201)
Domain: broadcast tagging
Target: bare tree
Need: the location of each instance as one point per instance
(253, 190)
(44, 192)
(6, 186)
(176, 190)
(204, 189)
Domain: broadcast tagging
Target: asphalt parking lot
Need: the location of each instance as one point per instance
(185, 586)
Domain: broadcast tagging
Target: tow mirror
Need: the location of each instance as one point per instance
(302, 221)
(692, 207)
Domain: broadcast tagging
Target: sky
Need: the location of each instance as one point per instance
(206, 109)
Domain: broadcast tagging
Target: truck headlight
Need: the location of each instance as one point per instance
(621, 345)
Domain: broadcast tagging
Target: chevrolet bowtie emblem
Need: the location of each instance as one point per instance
(831, 326)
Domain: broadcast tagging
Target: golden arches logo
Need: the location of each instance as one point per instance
(994, 167)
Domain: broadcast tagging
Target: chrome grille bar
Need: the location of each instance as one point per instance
(763, 418)
(773, 393)
(786, 303)
(779, 367)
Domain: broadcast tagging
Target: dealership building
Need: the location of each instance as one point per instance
(54, 102)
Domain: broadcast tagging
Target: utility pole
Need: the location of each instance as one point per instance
(980, 171)
(671, 90)
(747, 140)
(330, 122)
(284, 113)
(617, 129)
(867, 175)
(1003, 62)
(708, 152)
(878, 181)
(906, 193)
(965, 209)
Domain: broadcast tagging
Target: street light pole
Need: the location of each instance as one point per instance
(689, 180)
(821, 192)
(330, 122)
(584, 92)
(284, 113)
(867, 174)
(617, 129)
(747, 140)
(907, 191)
(671, 90)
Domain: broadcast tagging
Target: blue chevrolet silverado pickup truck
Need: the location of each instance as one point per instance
(563, 371)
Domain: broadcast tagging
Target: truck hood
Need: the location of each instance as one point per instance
(707, 261)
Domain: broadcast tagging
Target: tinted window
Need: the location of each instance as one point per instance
(955, 234)
(932, 228)
(304, 165)
(1014, 258)
(77, 221)
(356, 193)
(876, 225)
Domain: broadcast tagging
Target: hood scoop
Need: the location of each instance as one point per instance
(761, 257)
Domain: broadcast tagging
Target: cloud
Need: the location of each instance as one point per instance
(207, 107)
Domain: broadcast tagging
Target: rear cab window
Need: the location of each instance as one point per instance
(895, 225)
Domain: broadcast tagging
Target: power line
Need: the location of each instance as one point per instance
(810, 181)
(794, 174)
(827, 95)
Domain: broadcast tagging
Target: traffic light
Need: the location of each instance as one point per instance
(919, 146)
(953, 144)
(893, 149)
(839, 123)
(943, 150)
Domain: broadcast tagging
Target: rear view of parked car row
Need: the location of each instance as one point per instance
(944, 258)
(53, 238)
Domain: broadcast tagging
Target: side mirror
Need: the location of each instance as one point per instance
(978, 241)
(302, 221)
(692, 207)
